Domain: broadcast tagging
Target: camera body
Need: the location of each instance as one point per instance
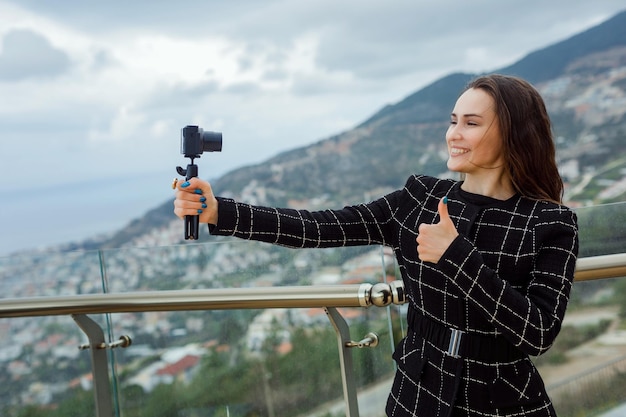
(194, 141)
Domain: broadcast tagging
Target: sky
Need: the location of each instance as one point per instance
(93, 95)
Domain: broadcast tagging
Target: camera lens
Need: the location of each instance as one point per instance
(211, 141)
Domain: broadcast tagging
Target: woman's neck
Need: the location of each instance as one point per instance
(500, 188)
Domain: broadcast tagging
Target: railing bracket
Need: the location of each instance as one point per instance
(370, 340)
(123, 342)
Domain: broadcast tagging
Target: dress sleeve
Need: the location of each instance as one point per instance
(364, 224)
(531, 319)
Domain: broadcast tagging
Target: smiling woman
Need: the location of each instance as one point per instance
(487, 262)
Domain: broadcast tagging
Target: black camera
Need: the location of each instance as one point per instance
(194, 140)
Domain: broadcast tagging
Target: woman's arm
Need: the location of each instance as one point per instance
(530, 320)
(363, 224)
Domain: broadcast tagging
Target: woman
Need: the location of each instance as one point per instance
(487, 262)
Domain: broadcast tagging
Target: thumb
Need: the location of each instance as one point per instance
(442, 208)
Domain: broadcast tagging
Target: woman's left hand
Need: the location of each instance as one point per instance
(434, 239)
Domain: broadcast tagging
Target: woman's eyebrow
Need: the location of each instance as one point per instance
(468, 115)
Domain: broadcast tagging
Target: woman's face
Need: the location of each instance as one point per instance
(473, 138)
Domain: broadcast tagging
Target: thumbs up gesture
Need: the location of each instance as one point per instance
(434, 239)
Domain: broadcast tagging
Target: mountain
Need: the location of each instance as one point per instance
(583, 80)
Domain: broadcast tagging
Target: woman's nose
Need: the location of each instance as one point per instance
(453, 133)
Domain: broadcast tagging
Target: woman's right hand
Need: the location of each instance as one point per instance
(195, 197)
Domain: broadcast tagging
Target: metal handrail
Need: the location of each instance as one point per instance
(356, 295)
(600, 267)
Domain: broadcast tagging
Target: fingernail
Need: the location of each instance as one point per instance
(199, 211)
(185, 184)
(202, 199)
(203, 205)
(445, 200)
(197, 191)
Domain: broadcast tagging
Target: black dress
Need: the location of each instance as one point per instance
(500, 291)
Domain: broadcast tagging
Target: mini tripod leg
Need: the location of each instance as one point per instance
(192, 223)
(191, 227)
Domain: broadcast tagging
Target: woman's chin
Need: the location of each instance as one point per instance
(452, 166)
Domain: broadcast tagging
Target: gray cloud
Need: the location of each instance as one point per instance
(185, 17)
(243, 88)
(371, 39)
(27, 54)
(383, 42)
(103, 59)
(178, 95)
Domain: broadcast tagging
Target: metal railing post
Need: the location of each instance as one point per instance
(99, 364)
(345, 361)
(380, 295)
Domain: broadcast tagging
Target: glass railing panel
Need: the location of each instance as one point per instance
(210, 265)
(43, 372)
(584, 370)
(242, 362)
(246, 362)
(40, 274)
(602, 229)
(275, 362)
(233, 263)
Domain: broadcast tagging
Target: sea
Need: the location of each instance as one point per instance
(40, 218)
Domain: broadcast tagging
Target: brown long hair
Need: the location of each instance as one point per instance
(528, 146)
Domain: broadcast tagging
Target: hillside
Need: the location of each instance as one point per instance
(583, 80)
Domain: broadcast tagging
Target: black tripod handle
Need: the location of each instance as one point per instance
(192, 224)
